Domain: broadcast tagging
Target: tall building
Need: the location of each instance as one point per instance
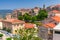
(44, 6)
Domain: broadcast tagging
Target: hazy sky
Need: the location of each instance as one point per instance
(14, 4)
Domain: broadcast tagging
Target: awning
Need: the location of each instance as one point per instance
(57, 27)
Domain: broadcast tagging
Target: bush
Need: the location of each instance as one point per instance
(27, 34)
(8, 39)
(4, 28)
(1, 35)
(20, 17)
(8, 30)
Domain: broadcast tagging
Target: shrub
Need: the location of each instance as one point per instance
(4, 28)
(8, 39)
(8, 30)
(1, 35)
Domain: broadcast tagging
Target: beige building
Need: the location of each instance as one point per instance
(4, 24)
(36, 10)
(15, 14)
(8, 16)
(15, 24)
(23, 11)
(19, 12)
(12, 24)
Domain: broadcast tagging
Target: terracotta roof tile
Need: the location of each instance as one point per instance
(15, 21)
(49, 25)
(29, 25)
(56, 18)
(56, 11)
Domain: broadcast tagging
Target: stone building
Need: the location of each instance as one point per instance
(43, 32)
(36, 10)
(15, 14)
(8, 16)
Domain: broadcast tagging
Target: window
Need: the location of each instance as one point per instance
(51, 31)
(17, 24)
(15, 30)
(57, 32)
(53, 14)
(14, 25)
(55, 23)
(21, 24)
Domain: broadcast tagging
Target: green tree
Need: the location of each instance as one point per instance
(42, 14)
(38, 23)
(8, 38)
(27, 17)
(33, 19)
(8, 30)
(32, 10)
(1, 35)
(4, 28)
(20, 17)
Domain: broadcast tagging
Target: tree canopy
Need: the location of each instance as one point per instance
(27, 17)
(1, 35)
(33, 19)
(42, 14)
(20, 17)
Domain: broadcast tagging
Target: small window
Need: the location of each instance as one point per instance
(55, 23)
(51, 31)
(21, 24)
(15, 30)
(14, 25)
(17, 24)
(57, 32)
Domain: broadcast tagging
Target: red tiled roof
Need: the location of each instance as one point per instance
(56, 11)
(58, 5)
(15, 21)
(50, 25)
(4, 21)
(56, 18)
(29, 25)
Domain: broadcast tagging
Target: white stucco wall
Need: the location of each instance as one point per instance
(1, 25)
(57, 15)
(17, 27)
(56, 36)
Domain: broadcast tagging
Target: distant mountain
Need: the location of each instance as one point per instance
(4, 12)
